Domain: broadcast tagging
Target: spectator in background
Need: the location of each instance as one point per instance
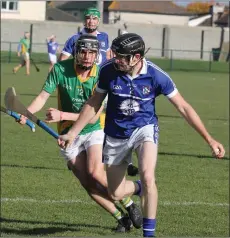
(53, 48)
(23, 52)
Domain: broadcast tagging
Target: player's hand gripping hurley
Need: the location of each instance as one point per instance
(17, 117)
(12, 103)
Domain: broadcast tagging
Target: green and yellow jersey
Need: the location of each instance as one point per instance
(73, 91)
(24, 45)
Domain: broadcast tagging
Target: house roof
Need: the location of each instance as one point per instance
(56, 3)
(224, 18)
(161, 7)
(207, 22)
(53, 13)
(80, 5)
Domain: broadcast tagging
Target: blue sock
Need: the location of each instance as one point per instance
(139, 191)
(149, 227)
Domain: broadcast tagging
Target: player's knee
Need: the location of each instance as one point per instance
(95, 174)
(148, 181)
(116, 195)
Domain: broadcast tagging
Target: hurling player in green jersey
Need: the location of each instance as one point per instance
(75, 80)
(23, 52)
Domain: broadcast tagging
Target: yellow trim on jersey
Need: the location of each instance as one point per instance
(23, 49)
(102, 120)
(61, 126)
(92, 73)
(60, 109)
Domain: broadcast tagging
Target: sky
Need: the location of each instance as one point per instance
(186, 2)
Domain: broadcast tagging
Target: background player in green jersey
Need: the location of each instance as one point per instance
(23, 53)
(75, 80)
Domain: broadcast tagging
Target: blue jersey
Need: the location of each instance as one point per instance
(102, 37)
(131, 101)
(52, 47)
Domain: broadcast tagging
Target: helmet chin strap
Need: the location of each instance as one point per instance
(132, 64)
(84, 67)
(88, 30)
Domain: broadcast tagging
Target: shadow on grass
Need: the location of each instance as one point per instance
(160, 153)
(37, 231)
(190, 155)
(180, 117)
(29, 167)
(74, 227)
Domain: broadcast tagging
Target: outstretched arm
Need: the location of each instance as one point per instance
(190, 115)
(55, 115)
(49, 38)
(68, 49)
(36, 105)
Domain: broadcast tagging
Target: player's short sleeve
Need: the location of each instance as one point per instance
(166, 86)
(52, 80)
(69, 46)
(103, 81)
(19, 48)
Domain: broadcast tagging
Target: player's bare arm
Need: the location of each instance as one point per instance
(190, 115)
(109, 54)
(36, 105)
(63, 57)
(55, 115)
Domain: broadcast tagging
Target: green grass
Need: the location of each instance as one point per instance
(44, 199)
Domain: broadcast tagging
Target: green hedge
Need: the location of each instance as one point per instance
(165, 64)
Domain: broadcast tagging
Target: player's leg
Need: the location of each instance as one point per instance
(117, 155)
(77, 162)
(146, 148)
(97, 192)
(96, 170)
(21, 64)
(52, 61)
(27, 62)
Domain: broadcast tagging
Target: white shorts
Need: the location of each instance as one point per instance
(83, 142)
(118, 151)
(52, 58)
(24, 57)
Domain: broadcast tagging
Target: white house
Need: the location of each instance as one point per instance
(148, 12)
(23, 10)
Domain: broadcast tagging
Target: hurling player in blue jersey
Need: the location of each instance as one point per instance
(52, 48)
(92, 20)
(132, 85)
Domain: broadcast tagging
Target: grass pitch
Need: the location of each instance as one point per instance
(40, 197)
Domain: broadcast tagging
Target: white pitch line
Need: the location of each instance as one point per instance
(31, 200)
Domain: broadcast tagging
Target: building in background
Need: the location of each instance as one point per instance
(75, 9)
(23, 10)
(148, 12)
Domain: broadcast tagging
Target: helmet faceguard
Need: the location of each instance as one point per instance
(127, 46)
(86, 42)
(92, 12)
